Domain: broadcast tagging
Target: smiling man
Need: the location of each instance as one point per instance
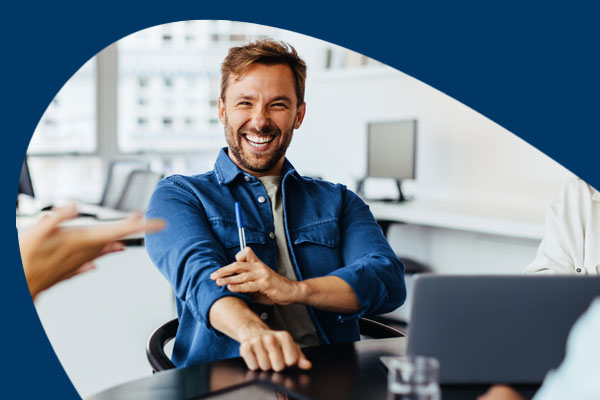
(316, 260)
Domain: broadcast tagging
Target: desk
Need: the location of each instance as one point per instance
(341, 371)
(517, 222)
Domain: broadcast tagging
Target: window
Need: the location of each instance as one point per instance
(67, 177)
(175, 69)
(68, 127)
(69, 123)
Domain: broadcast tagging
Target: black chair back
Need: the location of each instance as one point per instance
(155, 348)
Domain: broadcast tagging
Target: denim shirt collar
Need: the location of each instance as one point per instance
(226, 170)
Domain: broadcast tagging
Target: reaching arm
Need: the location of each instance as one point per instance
(51, 253)
(260, 347)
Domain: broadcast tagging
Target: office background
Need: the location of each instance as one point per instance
(165, 114)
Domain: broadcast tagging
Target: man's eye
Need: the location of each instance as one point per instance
(279, 105)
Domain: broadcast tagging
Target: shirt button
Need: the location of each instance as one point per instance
(271, 235)
(578, 270)
(261, 199)
(264, 316)
(246, 178)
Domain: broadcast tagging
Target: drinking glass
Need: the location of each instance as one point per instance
(413, 378)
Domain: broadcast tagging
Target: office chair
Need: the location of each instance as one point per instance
(155, 348)
(138, 190)
(116, 179)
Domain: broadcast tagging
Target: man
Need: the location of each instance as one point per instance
(316, 260)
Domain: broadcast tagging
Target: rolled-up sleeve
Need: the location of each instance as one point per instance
(186, 251)
(371, 267)
(562, 248)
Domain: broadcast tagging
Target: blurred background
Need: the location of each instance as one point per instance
(149, 103)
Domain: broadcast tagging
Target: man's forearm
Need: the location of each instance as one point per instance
(250, 275)
(260, 347)
(328, 293)
(234, 318)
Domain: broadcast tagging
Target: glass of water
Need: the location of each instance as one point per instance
(413, 378)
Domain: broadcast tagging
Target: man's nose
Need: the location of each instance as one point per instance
(259, 118)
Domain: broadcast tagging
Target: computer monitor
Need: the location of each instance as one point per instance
(25, 184)
(391, 151)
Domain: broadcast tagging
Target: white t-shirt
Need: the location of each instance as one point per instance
(293, 318)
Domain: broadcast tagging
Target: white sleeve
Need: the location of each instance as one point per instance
(561, 249)
(577, 376)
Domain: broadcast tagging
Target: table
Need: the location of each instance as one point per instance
(492, 219)
(340, 371)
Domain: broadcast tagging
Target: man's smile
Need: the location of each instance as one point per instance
(258, 142)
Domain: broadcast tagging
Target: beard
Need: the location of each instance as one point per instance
(260, 162)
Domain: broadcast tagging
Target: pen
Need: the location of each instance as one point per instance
(240, 224)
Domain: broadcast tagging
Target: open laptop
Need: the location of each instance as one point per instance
(487, 329)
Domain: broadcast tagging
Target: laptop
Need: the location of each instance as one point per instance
(489, 329)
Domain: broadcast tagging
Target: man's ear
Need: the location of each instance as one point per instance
(300, 115)
(221, 109)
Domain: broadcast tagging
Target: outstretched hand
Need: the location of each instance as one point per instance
(250, 275)
(51, 253)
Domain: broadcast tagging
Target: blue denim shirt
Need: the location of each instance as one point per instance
(330, 232)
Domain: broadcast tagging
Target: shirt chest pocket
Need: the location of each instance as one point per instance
(317, 248)
(226, 232)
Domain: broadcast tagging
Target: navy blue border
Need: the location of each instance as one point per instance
(532, 68)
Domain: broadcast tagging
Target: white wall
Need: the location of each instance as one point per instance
(461, 154)
(98, 323)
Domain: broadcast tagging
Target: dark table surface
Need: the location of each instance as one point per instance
(341, 371)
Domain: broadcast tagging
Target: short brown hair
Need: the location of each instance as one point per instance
(266, 52)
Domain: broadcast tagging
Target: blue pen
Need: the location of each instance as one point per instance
(240, 224)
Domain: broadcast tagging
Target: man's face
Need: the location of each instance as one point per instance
(260, 113)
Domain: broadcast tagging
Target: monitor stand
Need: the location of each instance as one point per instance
(401, 198)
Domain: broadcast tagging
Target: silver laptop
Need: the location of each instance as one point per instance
(486, 329)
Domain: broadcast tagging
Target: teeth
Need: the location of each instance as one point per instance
(259, 139)
(258, 145)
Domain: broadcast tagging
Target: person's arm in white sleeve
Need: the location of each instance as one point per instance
(561, 250)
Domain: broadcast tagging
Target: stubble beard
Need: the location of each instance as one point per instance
(269, 160)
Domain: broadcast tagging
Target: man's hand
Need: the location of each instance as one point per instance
(260, 347)
(272, 350)
(250, 275)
